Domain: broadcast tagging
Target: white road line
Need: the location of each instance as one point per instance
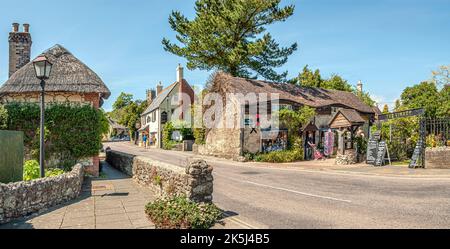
(298, 192)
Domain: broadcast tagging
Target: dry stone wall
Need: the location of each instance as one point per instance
(24, 198)
(437, 158)
(193, 179)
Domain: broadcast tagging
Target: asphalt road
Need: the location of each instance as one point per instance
(292, 198)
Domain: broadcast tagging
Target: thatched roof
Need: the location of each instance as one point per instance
(68, 74)
(314, 97)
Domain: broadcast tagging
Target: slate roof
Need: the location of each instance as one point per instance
(314, 97)
(159, 99)
(68, 74)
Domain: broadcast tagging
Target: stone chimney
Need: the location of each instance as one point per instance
(19, 47)
(359, 87)
(159, 88)
(179, 73)
(151, 94)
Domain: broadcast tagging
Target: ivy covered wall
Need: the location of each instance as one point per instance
(72, 132)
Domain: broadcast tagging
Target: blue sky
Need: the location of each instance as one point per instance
(388, 44)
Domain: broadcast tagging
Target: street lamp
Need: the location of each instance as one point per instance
(42, 68)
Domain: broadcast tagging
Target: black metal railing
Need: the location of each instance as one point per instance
(437, 131)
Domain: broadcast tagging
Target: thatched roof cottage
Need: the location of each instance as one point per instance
(233, 142)
(70, 81)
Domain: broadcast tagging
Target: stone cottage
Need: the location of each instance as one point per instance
(172, 103)
(71, 80)
(234, 142)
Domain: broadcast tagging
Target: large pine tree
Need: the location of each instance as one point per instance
(230, 35)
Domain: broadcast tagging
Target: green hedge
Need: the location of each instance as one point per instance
(72, 132)
(284, 156)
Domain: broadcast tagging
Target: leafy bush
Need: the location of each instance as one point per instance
(284, 156)
(199, 135)
(180, 213)
(31, 171)
(3, 117)
(167, 136)
(72, 131)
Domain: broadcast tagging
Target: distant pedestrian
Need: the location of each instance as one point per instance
(144, 138)
(151, 140)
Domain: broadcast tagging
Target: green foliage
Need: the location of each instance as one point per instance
(123, 100)
(168, 128)
(336, 82)
(53, 172)
(284, 156)
(72, 132)
(179, 212)
(294, 120)
(443, 109)
(31, 171)
(385, 109)
(157, 180)
(424, 95)
(3, 117)
(24, 117)
(361, 144)
(200, 135)
(405, 134)
(433, 141)
(128, 112)
(231, 36)
(308, 78)
(104, 123)
(184, 128)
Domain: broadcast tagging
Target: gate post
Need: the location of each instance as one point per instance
(422, 134)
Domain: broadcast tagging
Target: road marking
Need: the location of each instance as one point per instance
(240, 222)
(298, 192)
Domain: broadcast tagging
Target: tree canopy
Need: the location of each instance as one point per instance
(127, 111)
(123, 100)
(424, 95)
(308, 78)
(231, 36)
(432, 95)
(385, 109)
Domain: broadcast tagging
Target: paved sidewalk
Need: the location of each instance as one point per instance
(111, 202)
(115, 202)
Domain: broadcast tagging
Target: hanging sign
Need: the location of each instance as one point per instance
(402, 114)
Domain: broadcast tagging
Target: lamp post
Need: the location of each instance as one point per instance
(42, 68)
